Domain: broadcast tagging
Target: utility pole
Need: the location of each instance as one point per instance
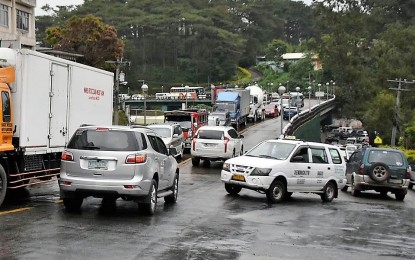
(118, 64)
(395, 121)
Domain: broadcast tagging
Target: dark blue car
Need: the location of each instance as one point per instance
(289, 113)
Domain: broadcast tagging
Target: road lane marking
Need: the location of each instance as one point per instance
(14, 211)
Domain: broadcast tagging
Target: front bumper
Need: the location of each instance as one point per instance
(251, 182)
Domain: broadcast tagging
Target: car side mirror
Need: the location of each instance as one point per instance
(172, 151)
(297, 158)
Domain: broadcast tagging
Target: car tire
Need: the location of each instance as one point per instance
(410, 186)
(206, 163)
(233, 153)
(3, 184)
(149, 208)
(175, 188)
(73, 204)
(379, 172)
(195, 161)
(345, 188)
(276, 192)
(232, 189)
(354, 191)
(400, 195)
(329, 192)
(242, 151)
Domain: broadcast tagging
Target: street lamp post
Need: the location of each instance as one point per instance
(319, 85)
(334, 86)
(186, 88)
(144, 88)
(162, 89)
(281, 91)
(327, 85)
(309, 98)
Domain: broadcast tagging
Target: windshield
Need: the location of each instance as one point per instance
(163, 132)
(275, 150)
(387, 157)
(225, 106)
(110, 140)
(184, 121)
(220, 116)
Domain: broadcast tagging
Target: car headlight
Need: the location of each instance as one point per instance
(226, 167)
(261, 172)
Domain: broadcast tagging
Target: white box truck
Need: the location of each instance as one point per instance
(44, 100)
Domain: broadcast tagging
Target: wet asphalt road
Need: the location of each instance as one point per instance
(206, 223)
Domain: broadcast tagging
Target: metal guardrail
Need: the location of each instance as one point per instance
(306, 115)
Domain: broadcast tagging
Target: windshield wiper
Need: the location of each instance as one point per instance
(90, 147)
(267, 156)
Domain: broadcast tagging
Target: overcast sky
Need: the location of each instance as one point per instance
(40, 3)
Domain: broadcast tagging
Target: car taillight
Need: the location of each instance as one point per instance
(226, 140)
(67, 156)
(408, 172)
(362, 169)
(136, 158)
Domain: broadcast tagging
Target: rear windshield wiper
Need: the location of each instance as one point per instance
(90, 147)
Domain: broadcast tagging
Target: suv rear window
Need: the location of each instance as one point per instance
(210, 134)
(111, 140)
(387, 157)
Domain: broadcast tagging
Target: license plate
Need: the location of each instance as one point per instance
(98, 164)
(210, 145)
(238, 177)
(395, 181)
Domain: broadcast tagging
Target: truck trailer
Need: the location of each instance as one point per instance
(236, 102)
(44, 100)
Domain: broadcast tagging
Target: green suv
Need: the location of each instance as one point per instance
(381, 169)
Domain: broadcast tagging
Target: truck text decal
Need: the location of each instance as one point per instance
(95, 93)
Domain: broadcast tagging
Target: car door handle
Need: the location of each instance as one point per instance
(328, 168)
(309, 167)
(156, 158)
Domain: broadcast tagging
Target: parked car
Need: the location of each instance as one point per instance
(137, 97)
(172, 136)
(289, 113)
(215, 143)
(110, 162)
(281, 167)
(381, 169)
(271, 110)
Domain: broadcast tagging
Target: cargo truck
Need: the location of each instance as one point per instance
(257, 106)
(44, 100)
(236, 102)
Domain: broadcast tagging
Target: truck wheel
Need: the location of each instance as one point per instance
(3, 184)
(329, 192)
(150, 206)
(73, 204)
(254, 119)
(175, 188)
(232, 189)
(276, 192)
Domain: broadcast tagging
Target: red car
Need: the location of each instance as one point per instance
(271, 110)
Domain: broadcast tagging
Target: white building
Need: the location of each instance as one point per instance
(17, 24)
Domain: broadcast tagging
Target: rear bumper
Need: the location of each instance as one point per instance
(364, 182)
(86, 188)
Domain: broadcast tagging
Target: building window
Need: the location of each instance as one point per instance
(4, 15)
(22, 20)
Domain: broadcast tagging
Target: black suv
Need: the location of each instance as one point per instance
(381, 169)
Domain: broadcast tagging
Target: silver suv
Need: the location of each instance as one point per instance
(110, 162)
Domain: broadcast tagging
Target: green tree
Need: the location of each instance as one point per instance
(89, 36)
